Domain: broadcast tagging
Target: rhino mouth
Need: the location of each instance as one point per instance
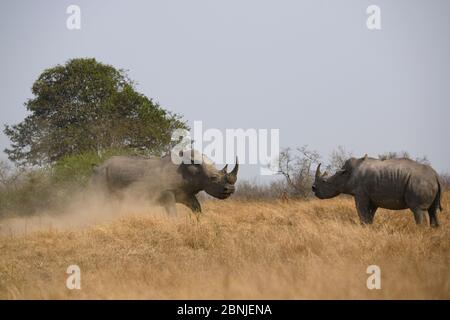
(318, 195)
(225, 194)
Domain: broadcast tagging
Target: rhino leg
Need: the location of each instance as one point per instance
(373, 209)
(419, 215)
(167, 200)
(434, 221)
(192, 203)
(366, 209)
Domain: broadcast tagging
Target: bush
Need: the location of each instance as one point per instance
(31, 194)
(75, 170)
(247, 190)
(26, 192)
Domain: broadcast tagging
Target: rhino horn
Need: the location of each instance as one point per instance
(233, 174)
(318, 171)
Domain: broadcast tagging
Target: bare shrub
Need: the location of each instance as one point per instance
(445, 180)
(296, 167)
(338, 158)
(247, 190)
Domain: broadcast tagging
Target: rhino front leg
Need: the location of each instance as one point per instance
(167, 200)
(192, 203)
(366, 210)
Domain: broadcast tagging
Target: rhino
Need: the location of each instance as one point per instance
(393, 184)
(164, 181)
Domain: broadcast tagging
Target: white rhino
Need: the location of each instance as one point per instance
(394, 184)
(166, 182)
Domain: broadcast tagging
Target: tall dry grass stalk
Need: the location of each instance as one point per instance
(237, 250)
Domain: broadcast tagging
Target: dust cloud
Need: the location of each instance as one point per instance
(84, 208)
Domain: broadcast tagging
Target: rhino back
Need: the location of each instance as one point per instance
(396, 183)
(123, 171)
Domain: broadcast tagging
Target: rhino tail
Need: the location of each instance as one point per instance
(437, 201)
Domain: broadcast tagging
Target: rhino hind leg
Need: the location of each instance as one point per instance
(434, 221)
(167, 200)
(433, 209)
(419, 215)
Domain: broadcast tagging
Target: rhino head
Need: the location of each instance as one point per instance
(326, 187)
(205, 176)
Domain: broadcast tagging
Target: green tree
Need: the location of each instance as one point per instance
(86, 106)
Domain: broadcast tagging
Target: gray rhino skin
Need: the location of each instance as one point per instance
(394, 184)
(164, 181)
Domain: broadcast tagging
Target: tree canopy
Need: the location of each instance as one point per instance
(85, 105)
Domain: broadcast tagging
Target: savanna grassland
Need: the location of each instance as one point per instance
(236, 250)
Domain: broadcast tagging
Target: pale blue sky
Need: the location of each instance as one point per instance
(310, 68)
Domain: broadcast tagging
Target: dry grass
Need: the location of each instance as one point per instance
(238, 250)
